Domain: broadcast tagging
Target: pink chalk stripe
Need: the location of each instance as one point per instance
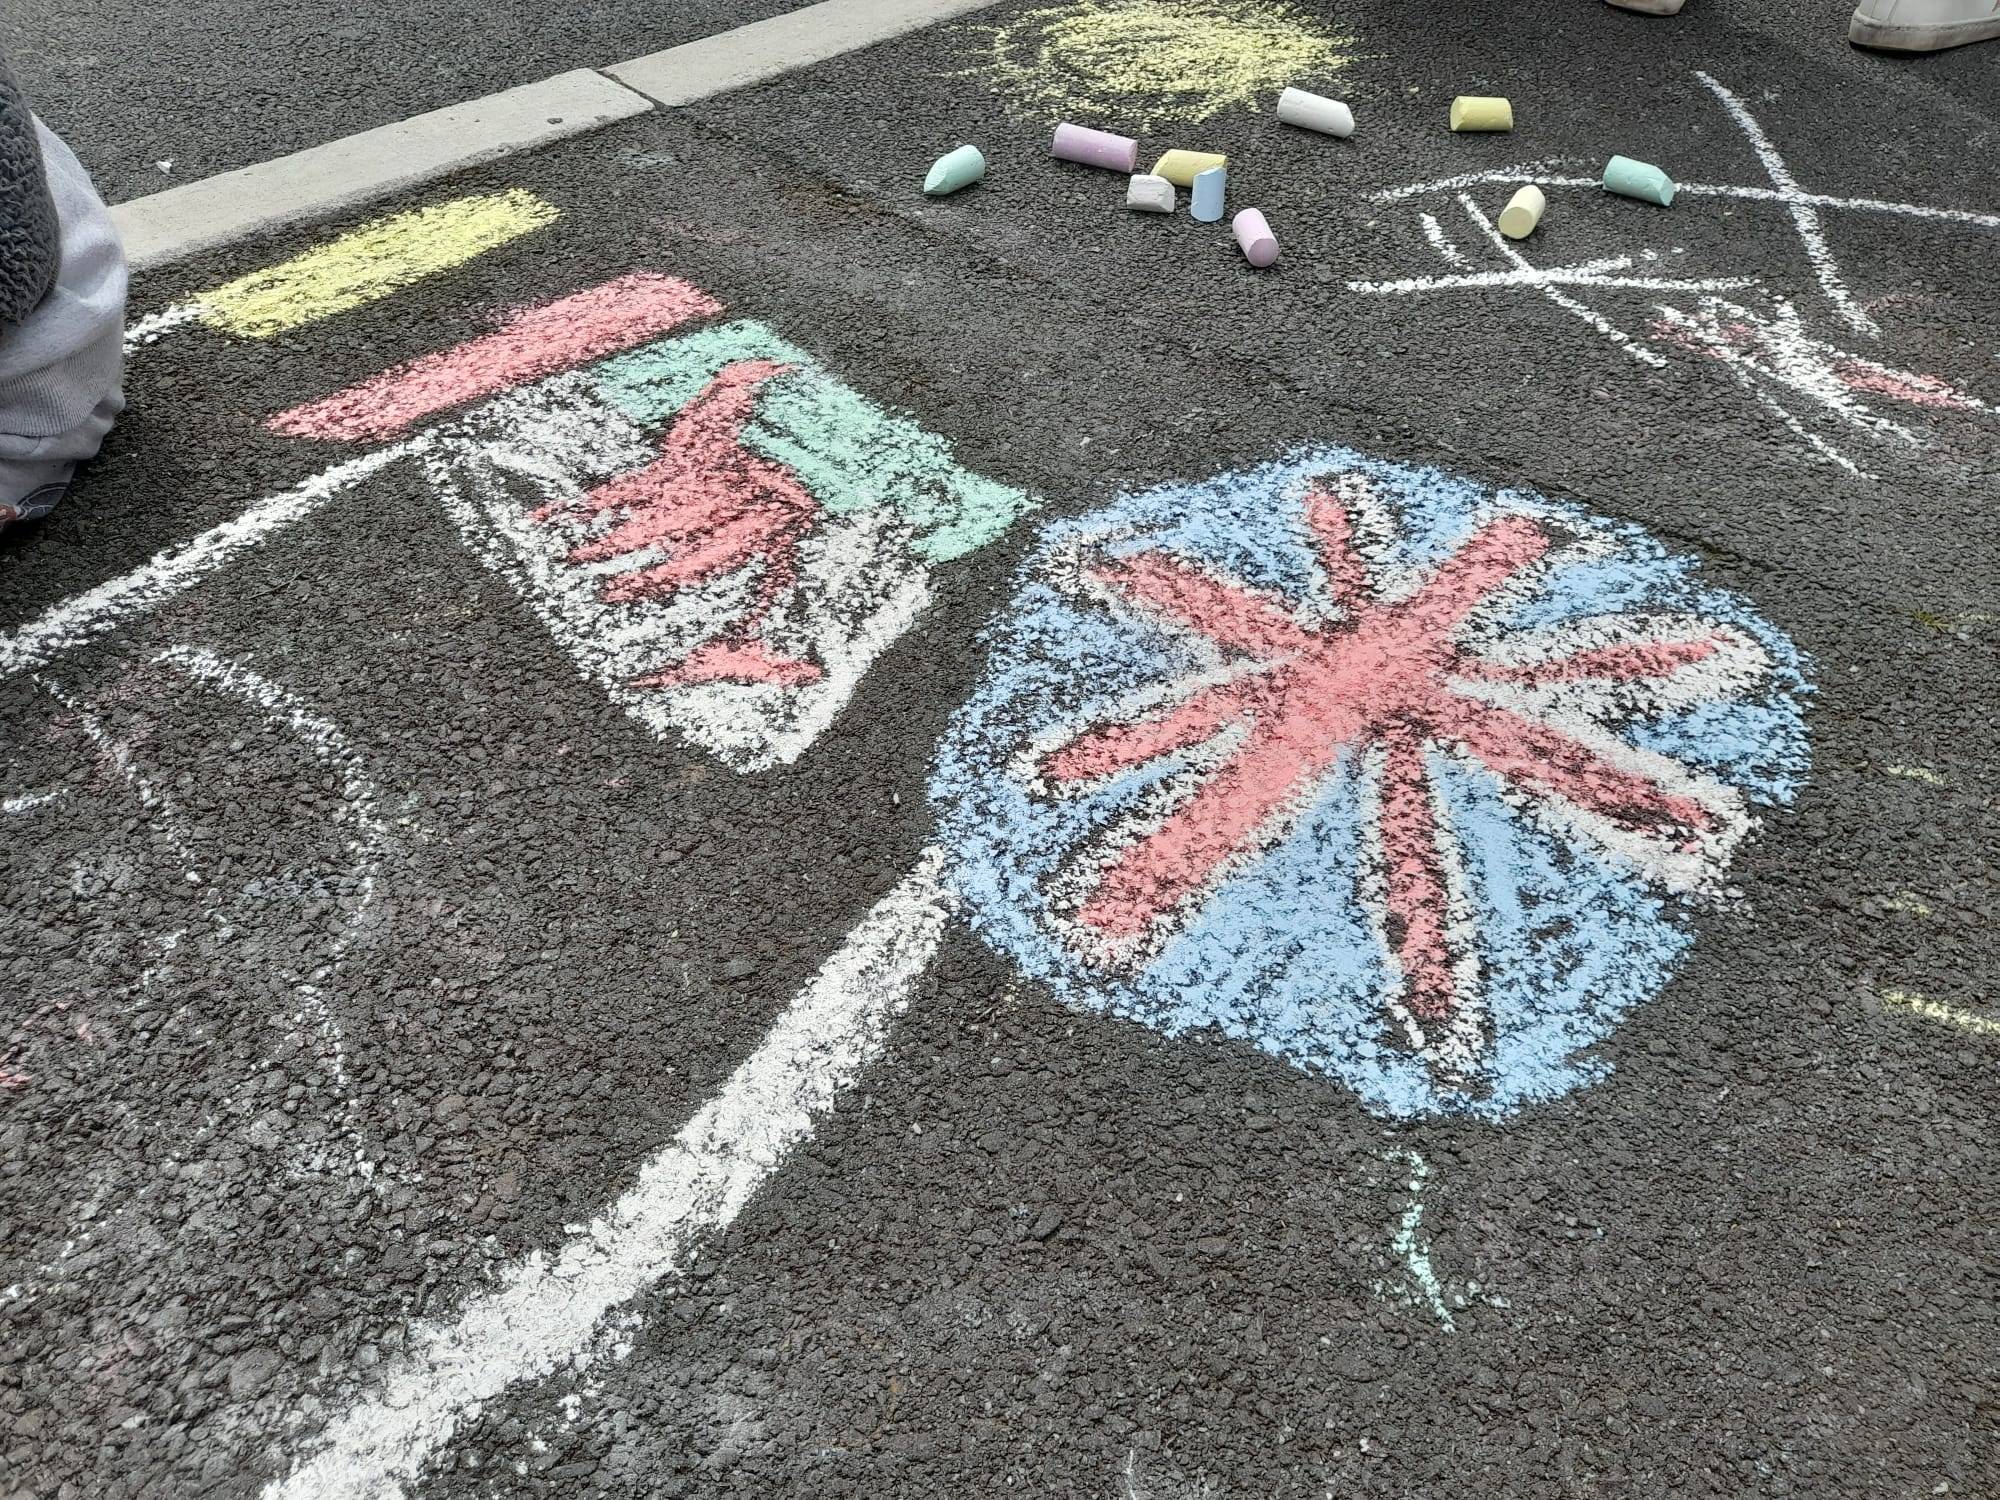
(531, 344)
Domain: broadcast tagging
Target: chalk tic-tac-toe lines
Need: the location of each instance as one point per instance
(1825, 394)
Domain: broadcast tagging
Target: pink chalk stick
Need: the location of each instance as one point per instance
(530, 344)
(1254, 237)
(1096, 148)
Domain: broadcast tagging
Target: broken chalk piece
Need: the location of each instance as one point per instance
(1209, 188)
(1312, 112)
(1638, 179)
(1523, 212)
(954, 170)
(1254, 237)
(1096, 148)
(1153, 194)
(1180, 167)
(1477, 112)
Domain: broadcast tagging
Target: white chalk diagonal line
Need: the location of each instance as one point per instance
(1805, 216)
(1590, 315)
(543, 1312)
(84, 617)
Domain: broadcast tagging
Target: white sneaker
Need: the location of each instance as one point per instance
(1923, 25)
(1650, 7)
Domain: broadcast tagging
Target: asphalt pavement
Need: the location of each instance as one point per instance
(386, 914)
(153, 96)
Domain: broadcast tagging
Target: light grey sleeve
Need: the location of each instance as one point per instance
(62, 366)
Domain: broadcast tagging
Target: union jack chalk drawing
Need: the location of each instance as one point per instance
(720, 533)
(1404, 780)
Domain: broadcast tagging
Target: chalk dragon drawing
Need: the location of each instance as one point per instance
(1823, 393)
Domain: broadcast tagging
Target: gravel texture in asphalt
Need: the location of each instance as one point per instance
(363, 942)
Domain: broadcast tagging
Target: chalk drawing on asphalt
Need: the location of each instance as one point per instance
(353, 269)
(1146, 63)
(732, 579)
(224, 902)
(1937, 1010)
(1827, 396)
(546, 1310)
(1404, 781)
(1416, 1283)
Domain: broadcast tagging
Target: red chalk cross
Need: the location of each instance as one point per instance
(1387, 677)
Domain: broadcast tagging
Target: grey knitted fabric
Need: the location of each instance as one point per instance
(30, 240)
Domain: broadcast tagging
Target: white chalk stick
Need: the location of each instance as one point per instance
(1523, 212)
(1313, 112)
(1153, 195)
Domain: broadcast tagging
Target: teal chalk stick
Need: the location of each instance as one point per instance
(1208, 191)
(1638, 179)
(954, 170)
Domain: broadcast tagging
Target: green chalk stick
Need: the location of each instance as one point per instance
(1638, 179)
(954, 170)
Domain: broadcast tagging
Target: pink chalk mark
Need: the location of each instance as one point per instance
(531, 344)
(723, 661)
(1307, 692)
(1413, 876)
(1628, 662)
(1901, 385)
(716, 507)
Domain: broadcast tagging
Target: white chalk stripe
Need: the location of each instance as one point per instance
(84, 617)
(543, 1313)
(1590, 315)
(1805, 216)
(1695, 190)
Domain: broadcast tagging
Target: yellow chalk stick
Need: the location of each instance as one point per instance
(1523, 212)
(1476, 112)
(1182, 167)
(371, 262)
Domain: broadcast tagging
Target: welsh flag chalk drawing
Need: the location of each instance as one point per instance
(733, 575)
(1403, 780)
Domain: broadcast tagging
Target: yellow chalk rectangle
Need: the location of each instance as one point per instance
(371, 262)
(1182, 167)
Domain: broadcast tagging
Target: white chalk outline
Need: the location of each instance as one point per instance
(367, 845)
(546, 1312)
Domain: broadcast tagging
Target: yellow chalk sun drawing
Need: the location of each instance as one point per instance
(1142, 63)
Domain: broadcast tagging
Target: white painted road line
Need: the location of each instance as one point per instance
(764, 49)
(323, 179)
(307, 184)
(544, 1313)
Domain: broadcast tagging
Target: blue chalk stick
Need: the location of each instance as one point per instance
(1208, 190)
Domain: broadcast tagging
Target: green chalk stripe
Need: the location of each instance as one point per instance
(846, 450)
(1638, 179)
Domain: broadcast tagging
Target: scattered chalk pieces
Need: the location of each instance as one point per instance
(1638, 179)
(1478, 112)
(1096, 148)
(1180, 167)
(954, 170)
(1523, 212)
(1312, 112)
(1150, 194)
(1209, 189)
(1254, 237)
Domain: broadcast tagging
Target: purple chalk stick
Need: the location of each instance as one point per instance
(1254, 237)
(1096, 148)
